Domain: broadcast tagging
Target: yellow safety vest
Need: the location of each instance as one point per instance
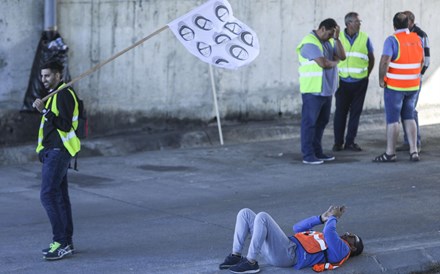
(356, 63)
(70, 141)
(310, 73)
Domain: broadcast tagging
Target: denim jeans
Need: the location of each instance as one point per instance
(54, 193)
(350, 98)
(267, 239)
(399, 104)
(314, 118)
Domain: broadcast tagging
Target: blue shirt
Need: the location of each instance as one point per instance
(330, 79)
(337, 249)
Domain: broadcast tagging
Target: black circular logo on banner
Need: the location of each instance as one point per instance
(238, 52)
(222, 38)
(203, 23)
(222, 13)
(234, 28)
(247, 38)
(204, 49)
(186, 33)
(220, 61)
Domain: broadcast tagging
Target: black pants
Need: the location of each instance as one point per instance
(350, 98)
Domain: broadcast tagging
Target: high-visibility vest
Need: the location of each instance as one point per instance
(70, 141)
(356, 63)
(404, 73)
(310, 73)
(313, 242)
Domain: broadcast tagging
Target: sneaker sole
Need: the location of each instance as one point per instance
(312, 163)
(247, 271)
(328, 159)
(226, 266)
(45, 252)
(59, 257)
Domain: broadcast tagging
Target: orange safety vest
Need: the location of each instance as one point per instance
(404, 73)
(313, 242)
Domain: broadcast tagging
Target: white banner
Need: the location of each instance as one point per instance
(215, 36)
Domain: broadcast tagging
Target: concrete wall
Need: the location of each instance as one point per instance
(161, 80)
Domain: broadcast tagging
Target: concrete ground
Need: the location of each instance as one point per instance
(173, 210)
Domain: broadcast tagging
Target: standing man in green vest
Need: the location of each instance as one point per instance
(318, 53)
(353, 82)
(57, 144)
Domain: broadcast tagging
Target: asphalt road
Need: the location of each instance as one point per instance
(173, 211)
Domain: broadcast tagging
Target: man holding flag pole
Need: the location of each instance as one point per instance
(210, 32)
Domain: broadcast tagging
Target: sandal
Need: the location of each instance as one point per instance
(414, 157)
(385, 158)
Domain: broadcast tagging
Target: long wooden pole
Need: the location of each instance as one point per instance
(98, 66)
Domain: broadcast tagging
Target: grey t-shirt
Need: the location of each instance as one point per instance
(330, 79)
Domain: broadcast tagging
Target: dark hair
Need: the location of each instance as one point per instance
(411, 17)
(400, 20)
(54, 66)
(328, 24)
(359, 247)
(349, 17)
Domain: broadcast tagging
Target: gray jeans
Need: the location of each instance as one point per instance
(267, 239)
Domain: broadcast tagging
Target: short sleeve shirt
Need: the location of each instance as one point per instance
(330, 76)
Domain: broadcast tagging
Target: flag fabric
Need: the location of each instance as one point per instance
(215, 36)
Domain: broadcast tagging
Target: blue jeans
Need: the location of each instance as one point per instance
(54, 193)
(314, 118)
(399, 104)
(350, 97)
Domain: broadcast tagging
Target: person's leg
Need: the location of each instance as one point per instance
(321, 123)
(416, 119)
(393, 104)
(392, 134)
(244, 225)
(407, 114)
(341, 111)
(55, 165)
(309, 116)
(411, 133)
(67, 210)
(358, 92)
(271, 242)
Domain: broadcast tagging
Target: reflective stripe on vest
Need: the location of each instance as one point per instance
(313, 242)
(355, 64)
(70, 141)
(310, 73)
(329, 266)
(404, 73)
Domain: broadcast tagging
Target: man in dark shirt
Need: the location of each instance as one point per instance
(57, 144)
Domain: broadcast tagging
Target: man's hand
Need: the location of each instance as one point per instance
(38, 104)
(336, 34)
(327, 214)
(336, 211)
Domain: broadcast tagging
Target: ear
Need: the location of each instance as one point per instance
(353, 248)
(58, 76)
